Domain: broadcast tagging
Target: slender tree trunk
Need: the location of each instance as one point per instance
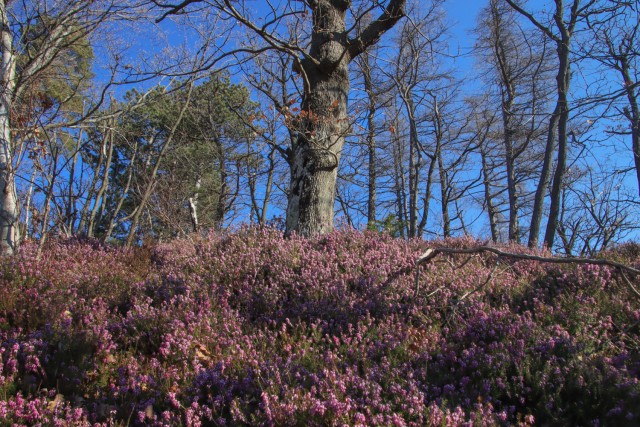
(434, 158)
(51, 180)
(444, 197)
(488, 197)
(268, 187)
(27, 207)
(510, 159)
(444, 180)
(563, 119)
(399, 184)
(104, 186)
(71, 212)
(559, 119)
(371, 146)
(9, 234)
(508, 95)
(543, 182)
(84, 213)
(414, 165)
(44, 227)
(426, 201)
(512, 189)
(223, 194)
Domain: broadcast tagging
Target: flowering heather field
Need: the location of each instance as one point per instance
(250, 328)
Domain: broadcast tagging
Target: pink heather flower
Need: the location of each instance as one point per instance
(360, 418)
(172, 400)
(318, 408)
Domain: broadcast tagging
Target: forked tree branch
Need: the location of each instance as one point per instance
(372, 33)
(174, 9)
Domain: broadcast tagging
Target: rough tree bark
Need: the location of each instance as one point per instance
(316, 153)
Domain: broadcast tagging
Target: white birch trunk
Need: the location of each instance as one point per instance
(193, 207)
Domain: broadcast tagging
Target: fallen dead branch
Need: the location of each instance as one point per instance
(431, 253)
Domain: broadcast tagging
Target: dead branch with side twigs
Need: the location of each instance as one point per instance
(432, 253)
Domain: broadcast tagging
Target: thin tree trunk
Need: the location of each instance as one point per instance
(488, 197)
(438, 135)
(563, 79)
(371, 146)
(559, 119)
(414, 165)
(84, 214)
(268, 187)
(426, 202)
(444, 197)
(399, 184)
(508, 95)
(220, 210)
(27, 210)
(71, 211)
(100, 197)
(44, 229)
(543, 182)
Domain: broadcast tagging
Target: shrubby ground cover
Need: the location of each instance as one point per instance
(249, 328)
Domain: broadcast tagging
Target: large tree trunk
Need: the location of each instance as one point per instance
(323, 121)
(324, 124)
(9, 235)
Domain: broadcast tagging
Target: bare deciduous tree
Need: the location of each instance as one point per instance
(323, 123)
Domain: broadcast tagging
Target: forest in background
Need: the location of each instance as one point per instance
(144, 121)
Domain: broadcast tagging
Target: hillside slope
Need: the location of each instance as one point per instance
(249, 328)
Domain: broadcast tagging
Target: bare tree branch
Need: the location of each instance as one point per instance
(372, 33)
